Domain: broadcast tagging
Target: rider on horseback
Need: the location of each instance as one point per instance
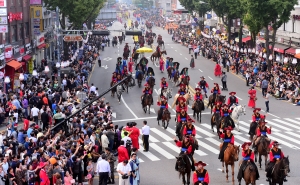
(232, 100)
(184, 74)
(203, 85)
(215, 91)
(150, 76)
(114, 78)
(119, 77)
(262, 130)
(225, 113)
(228, 138)
(125, 71)
(197, 96)
(186, 148)
(217, 108)
(200, 176)
(175, 71)
(124, 63)
(248, 157)
(257, 116)
(118, 67)
(189, 128)
(182, 90)
(163, 105)
(158, 51)
(126, 47)
(275, 155)
(181, 104)
(163, 85)
(139, 70)
(147, 91)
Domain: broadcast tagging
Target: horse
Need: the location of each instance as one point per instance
(166, 93)
(231, 154)
(176, 78)
(211, 100)
(151, 82)
(156, 55)
(198, 108)
(165, 119)
(249, 175)
(147, 102)
(139, 79)
(126, 54)
(262, 150)
(236, 113)
(161, 43)
(216, 121)
(113, 90)
(114, 42)
(187, 96)
(253, 127)
(280, 171)
(184, 168)
(119, 92)
(169, 70)
(135, 56)
(185, 81)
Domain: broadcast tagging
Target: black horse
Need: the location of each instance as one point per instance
(184, 168)
(198, 108)
(280, 171)
(212, 100)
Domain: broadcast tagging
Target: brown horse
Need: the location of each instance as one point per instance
(170, 70)
(212, 100)
(231, 154)
(198, 107)
(184, 168)
(216, 121)
(147, 102)
(139, 79)
(249, 174)
(151, 82)
(114, 90)
(262, 150)
(185, 81)
(166, 117)
(280, 171)
(156, 55)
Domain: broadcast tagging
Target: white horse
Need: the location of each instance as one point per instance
(166, 93)
(236, 113)
(119, 92)
(187, 96)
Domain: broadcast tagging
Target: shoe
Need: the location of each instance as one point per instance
(285, 180)
(268, 179)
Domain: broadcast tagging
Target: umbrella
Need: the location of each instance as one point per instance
(144, 50)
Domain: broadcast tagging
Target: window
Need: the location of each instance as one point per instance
(21, 31)
(26, 29)
(14, 36)
(12, 2)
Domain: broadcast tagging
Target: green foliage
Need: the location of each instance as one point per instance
(201, 8)
(78, 11)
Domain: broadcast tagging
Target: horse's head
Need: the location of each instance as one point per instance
(181, 164)
(234, 151)
(222, 98)
(164, 52)
(286, 163)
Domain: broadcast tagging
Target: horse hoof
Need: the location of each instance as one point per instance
(222, 171)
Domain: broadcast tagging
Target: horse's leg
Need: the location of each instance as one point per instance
(238, 123)
(266, 160)
(149, 109)
(183, 179)
(188, 178)
(255, 156)
(232, 173)
(223, 166)
(200, 115)
(259, 160)
(226, 168)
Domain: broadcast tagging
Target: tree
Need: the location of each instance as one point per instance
(254, 26)
(201, 8)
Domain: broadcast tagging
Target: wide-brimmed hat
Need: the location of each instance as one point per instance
(182, 85)
(274, 143)
(200, 163)
(181, 99)
(216, 84)
(225, 105)
(256, 109)
(202, 77)
(146, 85)
(232, 93)
(197, 89)
(263, 122)
(228, 128)
(163, 78)
(246, 143)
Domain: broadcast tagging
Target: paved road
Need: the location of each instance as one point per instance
(159, 162)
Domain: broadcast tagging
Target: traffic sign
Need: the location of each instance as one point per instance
(72, 38)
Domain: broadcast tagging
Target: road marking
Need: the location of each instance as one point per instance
(171, 46)
(114, 115)
(288, 124)
(286, 137)
(242, 128)
(293, 121)
(273, 115)
(171, 131)
(208, 147)
(210, 77)
(118, 50)
(152, 139)
(248, 125)
(282, 142)
(161, 134)
(148, 154)
(219, 169)
(200, 71)
(152, 110)
(161, 151)
(241, 138)
(293, 134)
(128, 107)
(186, 58)
(279, 126)
(156, 64)
(168, 44)
(202, 131)
(172, 146)
(237, 97)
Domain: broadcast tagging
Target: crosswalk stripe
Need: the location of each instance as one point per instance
(202, 131)
(279, 126)
(297, 118)
(286, 137)
(273, 129)
(212, 140)
(293, 134)
(288, 124)
(281, 141)
(141, 160)
(242, 128)
(172, 146)
(208, 147)
(161, 151)
(151, 138)
(293, 121)
(241, 138)
(171, 109)
(149, 155)
(200, 153)
(161, 134)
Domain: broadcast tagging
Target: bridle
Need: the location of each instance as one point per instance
(180, 159)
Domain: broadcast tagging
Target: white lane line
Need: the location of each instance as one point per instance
(186, 58)
(286, 137)
(293, 134)
(161, 134)
(210, 77)
(161, 151)
(238, 98)
(202, 131)
(278, 125)
(212, 140)
(151, 138)
(168, 44)
(156, 64)
(241, 138)
(288, 124)
(180, 54)
(282, 142)
(208, 147)
(293, 121)
(199, 152)
(200, 71)
(273, 129)
(141, 160)
(273, 115)
(171, 131)
(172, 146)
(172, 109)
(242, 128)
(156, 91)
(171, 46)
(149, 155)
(128, 108)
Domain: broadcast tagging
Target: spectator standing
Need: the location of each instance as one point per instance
(35, 114)
(224, 81)
(264, 86)
(122, 152)
(267, 96)
(104, 140)
(124, 171)
(145, 137)
(103, 169)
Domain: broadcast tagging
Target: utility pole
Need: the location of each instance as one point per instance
(58, 46)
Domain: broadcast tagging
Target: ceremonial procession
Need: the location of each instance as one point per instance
(135, 92)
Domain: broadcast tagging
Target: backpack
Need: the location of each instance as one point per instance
(128, 143)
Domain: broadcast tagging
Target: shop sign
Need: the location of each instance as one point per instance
(35, 2)
(4, 28)
(36, 26)
(28, 48)
(3, 12)
(3, 20)
(40, 39)
(296, 17)
(2, 3)
(16, 49)
(8, 52)
(15, 16)
(30, 66)
(22, 50)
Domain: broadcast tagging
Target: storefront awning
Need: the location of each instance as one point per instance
(14, 64)
(41, 46)
(280, 48)
(292, 51)
(297, 56)
(26, 57)
(246, 39)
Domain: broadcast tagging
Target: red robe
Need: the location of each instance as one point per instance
(258, 132)
(161, 64)
(122, 154)
(198, 96)
(195, 178)
(44, 180)
(130, 64)
(252, 94)
(244, 154)
(271, 156)
(218, 70)
(232, 138)
(185, 129)
(135, 137)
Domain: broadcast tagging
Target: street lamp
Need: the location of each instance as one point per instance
(21, 77)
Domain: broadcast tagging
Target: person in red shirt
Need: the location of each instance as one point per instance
(232, 100)
(216, 91)
(26, 123)
(256, 118)
(147, 90)
(275, 155)
(44, 180)
(181, 104)
(217, 108)
(182, 90)
(186, 148)
(203, 85)
(198, 95)
(189, 128)
(113, 78)
(122, 152)
(182, 118)
(163, 105)
(163, 85)
(228, 138)
(200, 176)
(262, 130)
(248, 157)
(225, 113)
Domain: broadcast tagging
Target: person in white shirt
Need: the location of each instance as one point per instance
(145, 137)
(126, 138)
(124, 171)
(92, 88)
(103, 168)
(35, 114)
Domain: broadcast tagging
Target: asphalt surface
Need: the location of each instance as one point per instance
(157, 166)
